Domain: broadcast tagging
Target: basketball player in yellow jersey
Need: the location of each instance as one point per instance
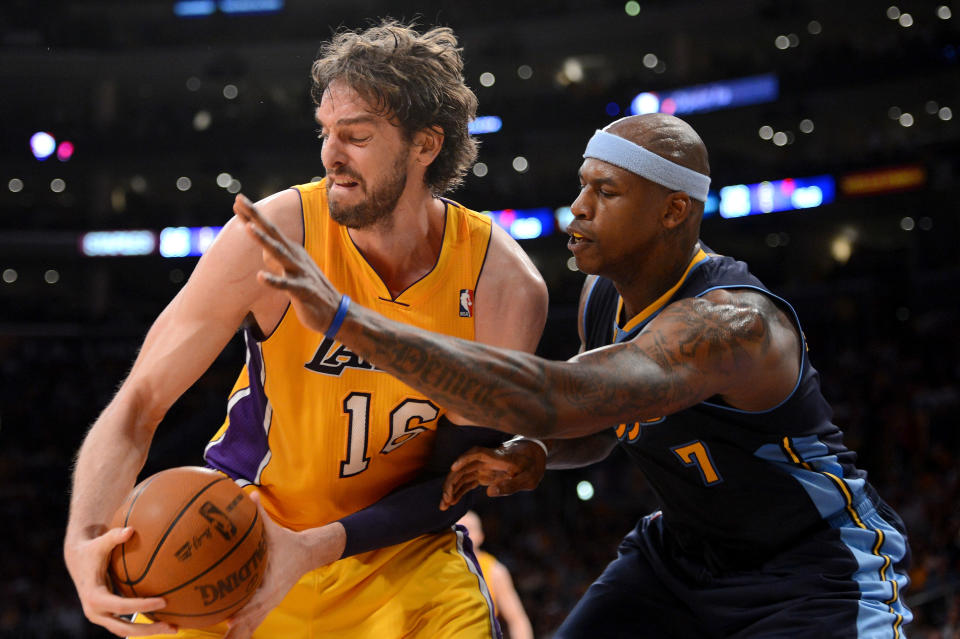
(506, 601)
(338, 454)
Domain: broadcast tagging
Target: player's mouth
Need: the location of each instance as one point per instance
(576, 240)
(344, 181)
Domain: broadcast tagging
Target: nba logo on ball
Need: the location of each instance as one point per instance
(199, 543)
(466, 302)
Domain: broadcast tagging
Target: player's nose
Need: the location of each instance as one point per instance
(582, 207)
(332, 154)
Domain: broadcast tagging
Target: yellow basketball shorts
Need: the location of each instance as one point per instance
(430, 587)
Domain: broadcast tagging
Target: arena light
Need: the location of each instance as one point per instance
(525, 224)
(117, 243)
(194, 8)
(485, 124)
(585, 490)
(175, 241)
(564, 215)
(187, 241)
(898, 178)
(65, 150)
(645, 103)
(527, 228)
(198, 8)
(714, 96)
(712, 205)
(740, 200)
(573, 70)
(251, 6)
(42, 145)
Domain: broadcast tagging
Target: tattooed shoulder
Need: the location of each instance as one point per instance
(724, 327)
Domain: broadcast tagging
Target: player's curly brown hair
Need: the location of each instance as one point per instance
(415, 78)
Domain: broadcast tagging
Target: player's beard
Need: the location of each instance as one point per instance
(379, 203)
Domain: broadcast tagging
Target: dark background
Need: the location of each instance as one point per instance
(125, 81)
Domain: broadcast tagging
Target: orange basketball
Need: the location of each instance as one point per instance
(199, 543)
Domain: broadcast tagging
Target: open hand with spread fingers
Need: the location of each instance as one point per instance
(291, 269)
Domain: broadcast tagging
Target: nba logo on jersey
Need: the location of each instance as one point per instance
(466, 302)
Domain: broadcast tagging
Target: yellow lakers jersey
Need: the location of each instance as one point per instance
(320, 431)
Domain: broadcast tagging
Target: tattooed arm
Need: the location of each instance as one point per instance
(733, 343)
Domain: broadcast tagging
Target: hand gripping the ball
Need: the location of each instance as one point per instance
(291, 554)
(87, 563)
(284, 569)
(199, 543)
(291, 270)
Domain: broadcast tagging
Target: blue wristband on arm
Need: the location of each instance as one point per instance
(338, 318)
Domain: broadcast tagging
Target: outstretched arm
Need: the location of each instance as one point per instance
(738, 345)
(730, 345)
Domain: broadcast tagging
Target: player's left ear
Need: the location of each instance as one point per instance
(678, 208)
(427, 144)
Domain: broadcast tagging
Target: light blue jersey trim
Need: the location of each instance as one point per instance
(874, 544)
(819, 487)
(877, 549)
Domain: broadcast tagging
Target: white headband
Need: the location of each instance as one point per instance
(636, 159)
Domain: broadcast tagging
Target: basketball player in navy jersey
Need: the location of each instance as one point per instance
(702, 376)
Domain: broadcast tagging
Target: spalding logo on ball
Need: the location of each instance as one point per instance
(199, 543)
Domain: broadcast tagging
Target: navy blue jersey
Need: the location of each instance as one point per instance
(736, 486)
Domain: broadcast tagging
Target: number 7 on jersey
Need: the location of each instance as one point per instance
(696, 454)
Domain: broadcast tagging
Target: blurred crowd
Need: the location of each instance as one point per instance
(891, 375)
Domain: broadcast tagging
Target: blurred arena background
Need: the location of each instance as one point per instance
(834, 132)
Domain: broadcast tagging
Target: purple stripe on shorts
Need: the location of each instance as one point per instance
(243, 448)
(465, 545)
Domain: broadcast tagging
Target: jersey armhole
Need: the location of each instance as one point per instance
(250, 321)
(586, 309)
(785, 305)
